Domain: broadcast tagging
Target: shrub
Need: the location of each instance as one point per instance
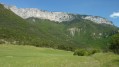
(115, 44)
(93, 51)
(85, 52)
(80, 52)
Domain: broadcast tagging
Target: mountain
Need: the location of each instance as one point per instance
(31, 26)
(34, 12)
(52, 16)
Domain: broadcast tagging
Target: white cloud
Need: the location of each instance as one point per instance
(114, 15)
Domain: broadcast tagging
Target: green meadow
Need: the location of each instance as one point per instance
(30, 56)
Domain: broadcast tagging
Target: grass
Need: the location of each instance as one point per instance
(29, 56)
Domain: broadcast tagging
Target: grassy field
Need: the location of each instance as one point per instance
(29, 56)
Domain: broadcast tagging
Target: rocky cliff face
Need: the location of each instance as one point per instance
(52, 16)
(97, 19)
(33, 12)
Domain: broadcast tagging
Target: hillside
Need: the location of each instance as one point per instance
(68, 35)
(29, 56)
(13, 28)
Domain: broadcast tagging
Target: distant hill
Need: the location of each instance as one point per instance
(53, 29)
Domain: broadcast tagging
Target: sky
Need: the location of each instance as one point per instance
(105, 8)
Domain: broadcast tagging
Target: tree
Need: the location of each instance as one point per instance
(115, 44)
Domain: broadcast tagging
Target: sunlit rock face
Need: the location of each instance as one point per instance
(98, 20)
(74, 30)
(53, 16)
(34, 12)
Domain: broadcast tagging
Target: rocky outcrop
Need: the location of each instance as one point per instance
(52, 16)
(73, 30)
(34, 12)
(97, 19)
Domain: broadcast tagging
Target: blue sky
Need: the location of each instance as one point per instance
(104, 8)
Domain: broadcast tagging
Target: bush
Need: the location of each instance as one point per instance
(115, 44)
(85, 52)
(93, 51)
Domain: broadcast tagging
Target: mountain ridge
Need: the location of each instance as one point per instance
(53, 16)
(42, 14)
